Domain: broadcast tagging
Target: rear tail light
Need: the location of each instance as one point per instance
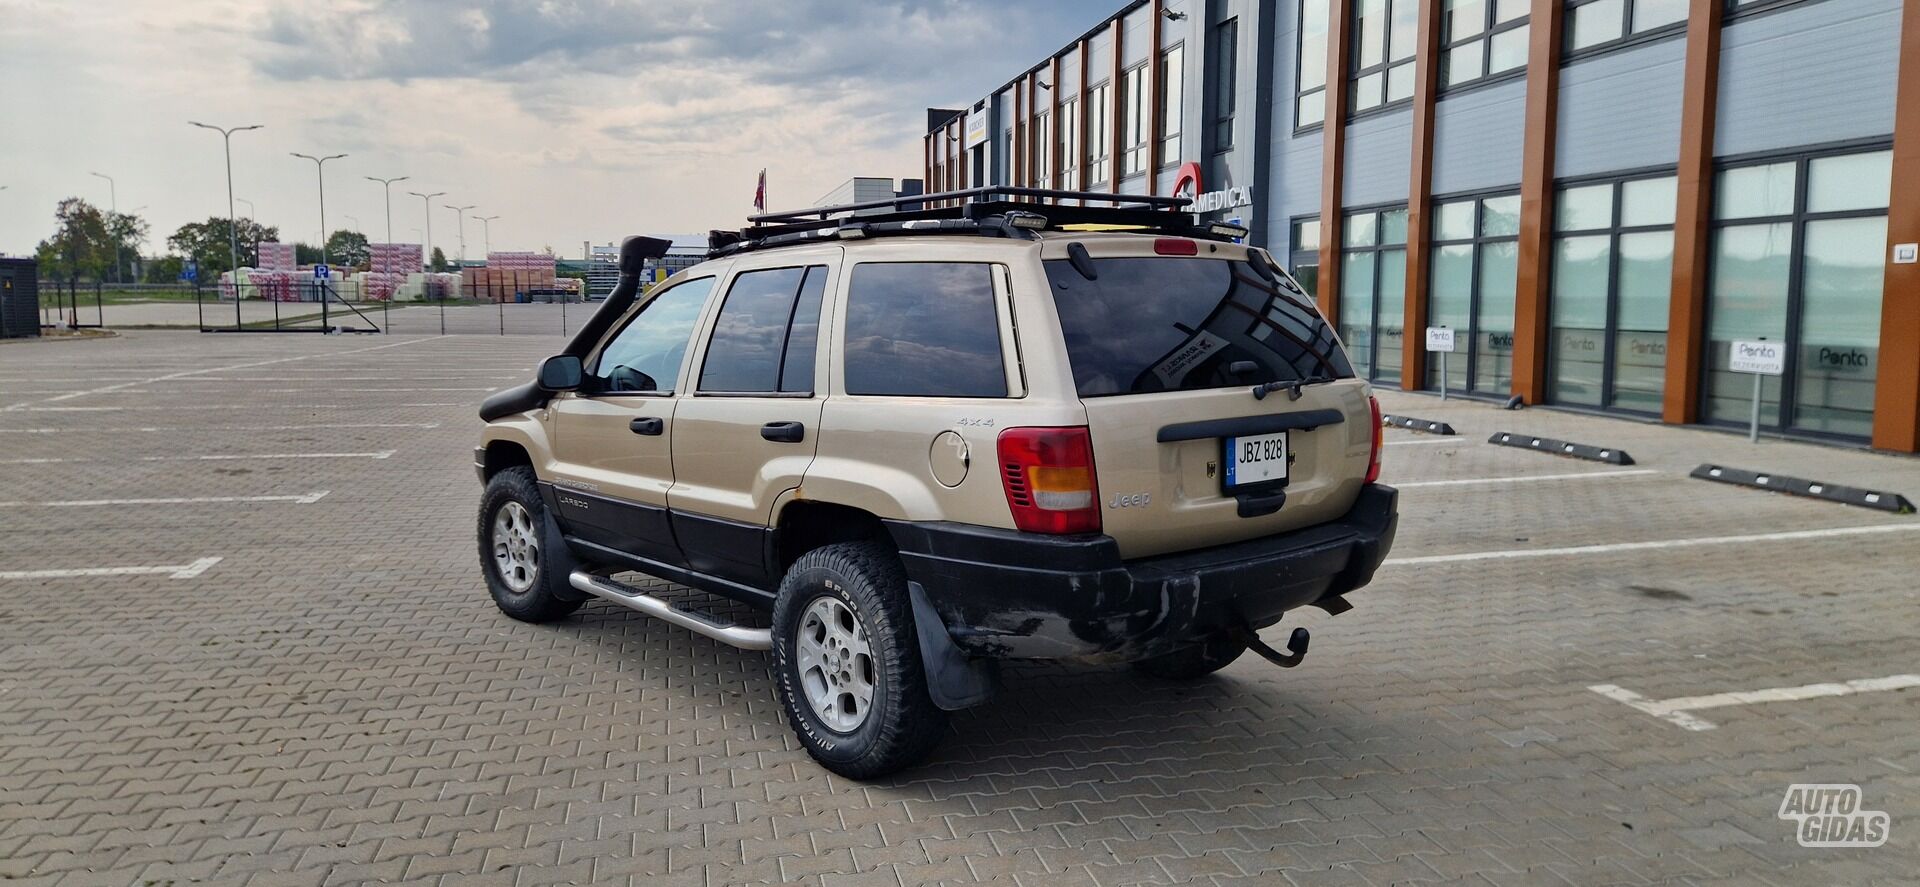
(1379, 440)
(1048, 475)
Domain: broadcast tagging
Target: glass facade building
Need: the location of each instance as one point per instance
(1594, 231)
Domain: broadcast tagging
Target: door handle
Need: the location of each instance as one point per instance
(649, 425)
(784, 432)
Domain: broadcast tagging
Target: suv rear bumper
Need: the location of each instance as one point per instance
(1010, 595)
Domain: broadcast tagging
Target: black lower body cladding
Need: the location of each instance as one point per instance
(1006, 594)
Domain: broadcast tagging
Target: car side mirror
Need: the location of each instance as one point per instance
(560, 373)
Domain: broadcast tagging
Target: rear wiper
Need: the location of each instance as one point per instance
(1292, 388)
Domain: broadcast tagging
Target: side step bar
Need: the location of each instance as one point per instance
(635, 599)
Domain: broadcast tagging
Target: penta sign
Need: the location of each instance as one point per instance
(1187, 184)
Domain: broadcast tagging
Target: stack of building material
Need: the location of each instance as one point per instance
(276, 256)
(389, 266)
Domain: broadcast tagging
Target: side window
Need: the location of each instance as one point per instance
(645, 355)
(764, 340)
(923, 329)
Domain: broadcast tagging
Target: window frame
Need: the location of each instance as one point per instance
(1614, 230)
(1295, 251)
(590, 378)
(1628, 36)
(1172, 86)
(1223, 68)
(1489, 30)
(1799, 218)
(1738, 9)
(1374, 251)
(1133, 105)
(1099, 122)
(1299, 67)
(1356, 72)
(1068, 152)
(1478, 241)
(786, 338)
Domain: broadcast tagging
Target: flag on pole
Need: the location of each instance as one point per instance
(760, 193)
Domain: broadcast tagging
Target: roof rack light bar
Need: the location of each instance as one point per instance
(984, 194)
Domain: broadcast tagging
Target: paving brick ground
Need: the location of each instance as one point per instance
(336, 701)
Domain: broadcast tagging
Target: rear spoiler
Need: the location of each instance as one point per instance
(634, 253)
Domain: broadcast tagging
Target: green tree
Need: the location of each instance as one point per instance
(127, 232)
(81, 245)
(206, 244)
(165, 269)
(304, 254)
(439, 260)
(349, 248)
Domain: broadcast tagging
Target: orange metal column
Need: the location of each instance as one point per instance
(1530, 327)
(1896, 400)
(1693, 215)
(1333, 163)
(1426, 85)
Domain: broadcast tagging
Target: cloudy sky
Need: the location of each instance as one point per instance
(572, 120)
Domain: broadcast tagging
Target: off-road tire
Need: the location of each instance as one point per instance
(1196, 661)
(903, 725)
(551, 596)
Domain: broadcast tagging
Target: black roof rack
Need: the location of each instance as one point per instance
(991, 211)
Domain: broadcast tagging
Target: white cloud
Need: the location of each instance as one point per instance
(572, 119)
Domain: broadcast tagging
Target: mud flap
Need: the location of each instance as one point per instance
(954, 681)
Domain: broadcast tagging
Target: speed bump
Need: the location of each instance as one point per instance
(1561, 448)
(1412, 424)
(1812, 489)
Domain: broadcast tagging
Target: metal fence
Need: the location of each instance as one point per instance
(482, 307)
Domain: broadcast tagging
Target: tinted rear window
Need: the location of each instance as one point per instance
(923, 328)
(1175, 324)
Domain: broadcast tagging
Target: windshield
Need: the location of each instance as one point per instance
(1179, 324)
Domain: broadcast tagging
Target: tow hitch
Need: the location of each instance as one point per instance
(1296, 647)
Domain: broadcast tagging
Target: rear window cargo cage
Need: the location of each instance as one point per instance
(989, 212)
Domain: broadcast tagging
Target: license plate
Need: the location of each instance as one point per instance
(1256, 459)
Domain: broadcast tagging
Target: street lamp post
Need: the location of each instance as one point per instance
(486, 231)
(426, 253)
(319, 169)
(113, 196)
(251, 212)
(233, 235)
(460, 218)
(386, 185)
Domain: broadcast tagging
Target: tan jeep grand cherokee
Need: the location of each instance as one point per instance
(936, 438)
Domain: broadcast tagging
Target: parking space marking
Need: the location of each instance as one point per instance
(1437, 440)
(1577, 550)
(215, 457)
(219, 369)
(1675, 711)
(178, 571)
(301, 499)
(1525, 478)
(147, 428)
(332, 390)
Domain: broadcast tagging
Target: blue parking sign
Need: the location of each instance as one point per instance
(320, 272)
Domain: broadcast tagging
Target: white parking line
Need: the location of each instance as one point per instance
(183, 571)
(302, 499)
(147, 428)
(219, 369)
(1582, 475)
(1415, 443)
(1830, 533)
(331, 390)
(217, 457)
(1674, 711)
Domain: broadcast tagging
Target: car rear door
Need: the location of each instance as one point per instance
(750, 425)
(1168, 340)
(613, 461)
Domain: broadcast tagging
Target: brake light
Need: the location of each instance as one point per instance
(1048, 475)
(1379, 440)
(1175, 246)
